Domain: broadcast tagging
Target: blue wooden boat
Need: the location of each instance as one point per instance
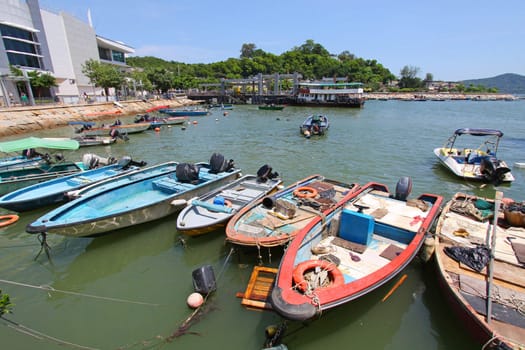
(186, 112)
(314, 125)
(212, 210)
(55, 191)
(115, 204)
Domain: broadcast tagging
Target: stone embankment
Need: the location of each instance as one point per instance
(21, 120)
(418, 96)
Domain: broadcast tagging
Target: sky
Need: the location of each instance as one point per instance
(451, 39)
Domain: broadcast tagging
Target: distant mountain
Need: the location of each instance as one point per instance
(508, 83)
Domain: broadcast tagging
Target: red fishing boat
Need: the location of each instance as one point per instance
(367, 240)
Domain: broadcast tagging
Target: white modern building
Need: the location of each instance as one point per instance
(56, 43)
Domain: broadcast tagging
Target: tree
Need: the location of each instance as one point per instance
(409, 79)
(41, 81)
(102, 75)
(346, 56)
(247, 50)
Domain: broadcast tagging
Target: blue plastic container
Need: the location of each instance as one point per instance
(356, 227)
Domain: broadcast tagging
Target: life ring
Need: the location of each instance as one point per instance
(334, 274)
(305, 192)
(9, 219)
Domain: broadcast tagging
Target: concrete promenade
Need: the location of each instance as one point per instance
(21, 120)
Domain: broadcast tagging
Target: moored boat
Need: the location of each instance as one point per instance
(116, 204)
(363, 243)
(330, 94)
(275, 220)
(186, 112)
(213, 210)
(472, 162)
(47, 167)
(115, 129)
(480, 259)
(271, 107)
(314, 125)
(86, 141)
(156, 121)
(29, 147)
(55, 191)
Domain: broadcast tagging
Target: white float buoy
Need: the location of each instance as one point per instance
(195, 300)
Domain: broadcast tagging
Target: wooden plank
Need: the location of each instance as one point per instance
(259, 288)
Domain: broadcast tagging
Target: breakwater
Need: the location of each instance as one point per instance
(437, 96)
(20, 120)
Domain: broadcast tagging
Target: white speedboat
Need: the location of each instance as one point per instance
(473, 162)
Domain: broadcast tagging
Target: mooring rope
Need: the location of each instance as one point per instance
(41, 336)
(51, 289)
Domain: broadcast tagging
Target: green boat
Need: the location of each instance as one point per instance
(271, 107)
(48, 167)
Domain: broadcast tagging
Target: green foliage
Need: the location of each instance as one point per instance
(5, 304)
(409, 79)
(311, 60)
(103, 75)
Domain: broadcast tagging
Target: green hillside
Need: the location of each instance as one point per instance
(508, 83)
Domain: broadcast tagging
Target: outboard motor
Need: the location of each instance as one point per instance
(187, 172)
(265, 172)
(92, 161)
(59, 157)
(403, 188)
(124, 162)
(491, 170)
(219, 164)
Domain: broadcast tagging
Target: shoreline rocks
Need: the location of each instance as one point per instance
(20, 120)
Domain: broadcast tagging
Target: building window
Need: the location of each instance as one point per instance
(16, 33)
(17, 59)
(105, 54)
(118, 56)
(21, 47)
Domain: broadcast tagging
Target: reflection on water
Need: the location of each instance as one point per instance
(148, 263)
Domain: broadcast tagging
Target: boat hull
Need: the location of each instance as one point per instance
(472, 171)
(461, 226)
(15, 179)
(122, 129)
(102, 210)
(54, 191)
(266, 223)
(203, 216)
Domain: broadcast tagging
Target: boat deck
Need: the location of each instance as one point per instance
(394, 227)
(462, 230)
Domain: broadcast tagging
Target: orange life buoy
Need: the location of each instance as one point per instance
(305, 192)
(334, 274)
(9, 219)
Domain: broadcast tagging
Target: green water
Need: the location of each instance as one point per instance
(128, 289)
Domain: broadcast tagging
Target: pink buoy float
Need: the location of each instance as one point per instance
(195, 300)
